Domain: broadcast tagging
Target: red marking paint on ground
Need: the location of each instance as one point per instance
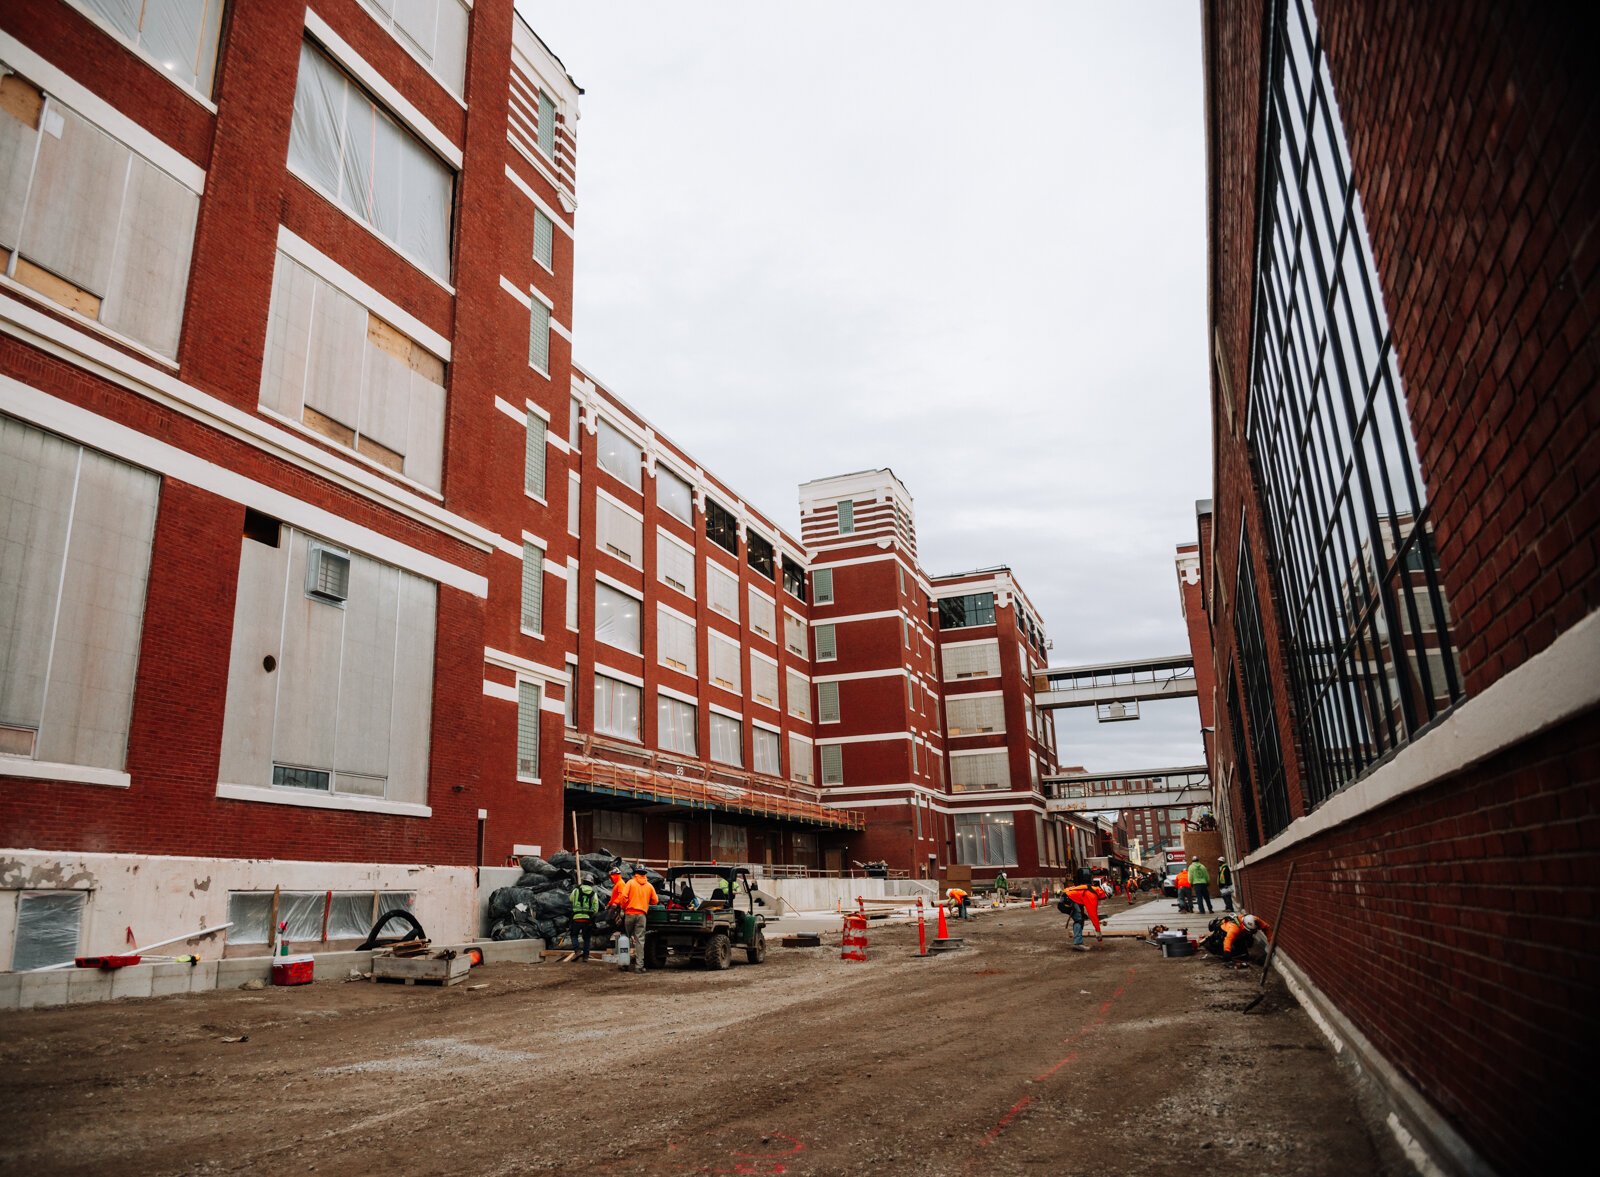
(796, 1146)
(1043, 1075)
(1000, 1125)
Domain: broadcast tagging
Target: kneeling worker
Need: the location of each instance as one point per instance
(1231, 937)
(1082, 902)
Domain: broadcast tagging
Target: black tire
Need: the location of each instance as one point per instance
(655, 952)
(756, 951)
(719, 951)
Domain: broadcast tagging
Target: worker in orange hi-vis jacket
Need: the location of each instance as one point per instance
(1185, 892)
(1080, 903)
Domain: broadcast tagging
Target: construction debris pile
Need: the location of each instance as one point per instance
(539, 903)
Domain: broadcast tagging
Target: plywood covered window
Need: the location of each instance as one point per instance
(351, 377)
(343, 143)
(75, 534)
(89, 223)
(330, 697)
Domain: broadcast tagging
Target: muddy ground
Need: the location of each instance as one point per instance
(1014, 1055)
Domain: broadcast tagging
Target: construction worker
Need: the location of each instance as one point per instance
(1229, 938)
(1079, 903)
(1002, 889)
(1185, 895)
(958, 899)
(637, 899)
(585, 906)
(1200, 880)
(1255, 923)
(1225, 882)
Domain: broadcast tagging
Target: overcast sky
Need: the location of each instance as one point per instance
(965, 242)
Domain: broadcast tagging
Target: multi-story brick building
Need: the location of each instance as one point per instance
(1400, 567)
(328, 578)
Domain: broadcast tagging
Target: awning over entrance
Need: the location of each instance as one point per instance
(689, 785)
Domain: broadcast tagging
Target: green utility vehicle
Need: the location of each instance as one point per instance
(705, 929)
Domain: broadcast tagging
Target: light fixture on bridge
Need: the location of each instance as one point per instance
(1116, 711)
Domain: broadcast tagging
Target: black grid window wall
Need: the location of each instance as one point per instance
(1371, 659)
(1241, 768)
(1266, 749)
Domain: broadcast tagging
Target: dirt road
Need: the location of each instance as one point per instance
(1012, 1056)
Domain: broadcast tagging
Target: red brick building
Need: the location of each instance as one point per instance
(1399, 570)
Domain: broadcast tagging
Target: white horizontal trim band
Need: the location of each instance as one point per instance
(306, 799)
(523, 666)
(78, 774)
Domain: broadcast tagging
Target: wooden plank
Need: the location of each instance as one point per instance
(435, 969)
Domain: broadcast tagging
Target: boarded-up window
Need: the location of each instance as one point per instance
(794, 635)
(800, 767)
(971, 660)
(764, 681)
(619, 532)
(763, 616)
(724, 662)
(723, 589)
(674, 564)
(966, 716)
(49, 926)
(980, 770)
(675, 641)
(799, 700)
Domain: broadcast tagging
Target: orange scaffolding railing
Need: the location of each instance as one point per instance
(626, 770)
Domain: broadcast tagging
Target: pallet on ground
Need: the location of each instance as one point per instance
(448, 968)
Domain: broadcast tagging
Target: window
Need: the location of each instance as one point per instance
(827, 644)
(971, 609)
(799, 700)
(979, 771)
(674, 564)
(827, 702)
(722, 528)
(727, 739)
(916, 759)
(544, 240)
(574, 505)
(759, 554)
(616, 707)
(763, 615)
(724, 662)
(575, 425)
(618, 531)
(342, 915)
(75, 534)
(675, 640)
(674, 495)
(764, 681)
(847, 517)
(619, 455)
(722, 589)
(532, 588)
(1265, 747)
(676, 726)
(1369, 654)
(572, 683)
(572, 595)
(986, 839)
(832, 764)
(528, 700)
(730, 843)
(49, 924)
(342, 142)
(764, 745)
(794, 635)
(616, 618)
(181, 35)
(971, 660)
(800, 767)
(547, 125)
(346, 704)
(539, 337)
(90, 224)
(434, 30)
(350, 377)
(967, 715)
(822, 586)
(533, 456)
(794, 579)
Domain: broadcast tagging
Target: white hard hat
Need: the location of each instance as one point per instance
(1250, 922)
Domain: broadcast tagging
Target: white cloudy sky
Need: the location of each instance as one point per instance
(963, 241)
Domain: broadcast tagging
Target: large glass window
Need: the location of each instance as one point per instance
(971, 660)
(724, 652)
(344, 143)
(794, 579)
(619, 455)
(759, 554)
(764, 681)
(968, 715)
(75, 535)
(674, 495)
(986, 839)
(1265, 748)
(674, 563)
(435, 30)
(619, 531)
(764, 745)
(532, 588)
(675, 726)
(616, 618)
(529, 696)
(180, 34)
(88, 223)
(616, 707)
(722, 527)
(799, 694)
(970, 609)
(763, 615)
(727, 739)
(1369, 651)
(722, 587)
(675, 640)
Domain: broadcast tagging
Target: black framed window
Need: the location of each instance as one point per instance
(1266, 748)
(1241, 769)
(794, 579)
(758, 554)
(722, 528)
(1370, 657)
(971, 609)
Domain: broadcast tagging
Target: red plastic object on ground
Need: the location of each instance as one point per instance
(105, 962)
(292, 970)
(853, 941)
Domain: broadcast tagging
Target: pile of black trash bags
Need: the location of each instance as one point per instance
(539, 904)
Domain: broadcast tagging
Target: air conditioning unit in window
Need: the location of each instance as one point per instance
(328, 575)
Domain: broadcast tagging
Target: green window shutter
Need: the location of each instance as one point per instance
(847, 517)
(822, 586)
(534, 454)
(827, 644)
(547, 125)
(527, 729)
(544, 239)
(827, 702)
(532, 588)
(832, 764)
(539, 336)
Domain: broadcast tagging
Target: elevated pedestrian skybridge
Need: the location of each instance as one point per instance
(1148, 788)
(1116, 689)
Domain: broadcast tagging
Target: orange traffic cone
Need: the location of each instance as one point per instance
(1032, 903)
(944, 928)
